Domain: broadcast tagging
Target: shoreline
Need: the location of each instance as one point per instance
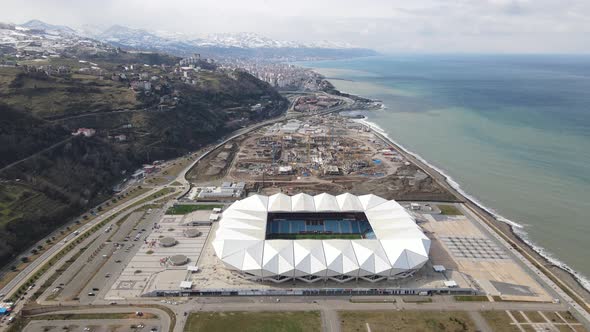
(509, 228)
(456, 190)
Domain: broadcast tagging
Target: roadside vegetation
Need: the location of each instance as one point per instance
(74, 316)
(40, 249)
(471, 298)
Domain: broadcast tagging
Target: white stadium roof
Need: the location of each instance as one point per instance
(399, 247)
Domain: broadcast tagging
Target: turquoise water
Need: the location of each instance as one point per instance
(512, 131)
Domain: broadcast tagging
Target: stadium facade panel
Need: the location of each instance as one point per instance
(391, 246)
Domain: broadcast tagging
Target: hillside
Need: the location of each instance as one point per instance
(142, 107)
(242, 45)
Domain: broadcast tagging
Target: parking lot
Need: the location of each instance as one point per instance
(107, 325)
(152, 266)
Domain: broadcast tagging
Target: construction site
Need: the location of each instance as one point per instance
(322, 153)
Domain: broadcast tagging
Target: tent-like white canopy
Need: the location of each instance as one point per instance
(400, 246)
(279, 203)
(302, 202)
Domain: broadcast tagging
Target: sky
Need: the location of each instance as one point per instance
(416, 26)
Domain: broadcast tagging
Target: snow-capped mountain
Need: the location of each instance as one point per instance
(36, 37)
(223, 45)
(140, 37)
(253, 40)
(49, 28)
(245, 40)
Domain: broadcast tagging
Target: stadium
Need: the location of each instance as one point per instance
(311, 238)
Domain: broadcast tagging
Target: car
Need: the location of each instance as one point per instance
(118, 261)
(95, 289)
(91, 294)
(108, 275)
(113, 303)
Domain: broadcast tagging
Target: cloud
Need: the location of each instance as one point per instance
(386, 25)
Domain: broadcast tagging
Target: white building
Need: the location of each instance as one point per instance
(397, 249)
(291, 126)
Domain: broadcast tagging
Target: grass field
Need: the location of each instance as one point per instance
(417, 299)
(188, 208)
(314, 236)
(406, 321)
(518, 316)
(449, 210)
(499, 321)
(58, 95)
(535, 317)
(254, 322)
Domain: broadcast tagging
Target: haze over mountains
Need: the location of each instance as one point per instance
(217, 45)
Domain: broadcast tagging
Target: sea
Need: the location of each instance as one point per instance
(512, 132)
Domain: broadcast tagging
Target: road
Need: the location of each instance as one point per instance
(113, 265)
(37, 264)
(34, 266)
(530, 263)
(328, 307)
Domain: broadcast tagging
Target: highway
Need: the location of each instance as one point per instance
(91, 268)
(37, 264)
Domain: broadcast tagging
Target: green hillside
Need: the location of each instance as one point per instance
(48, 176)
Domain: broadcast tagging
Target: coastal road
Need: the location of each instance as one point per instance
(531, 263)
